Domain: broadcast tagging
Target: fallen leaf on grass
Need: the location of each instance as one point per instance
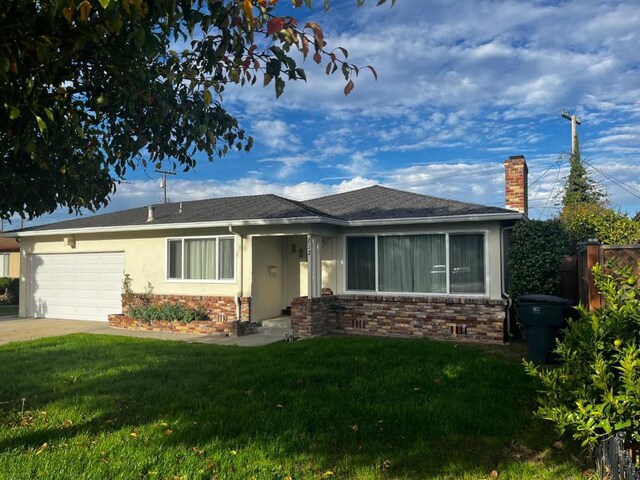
(279, 405)
(133, 434)
(355, 428)
(197, 451)
(42, 448)
(494, 474)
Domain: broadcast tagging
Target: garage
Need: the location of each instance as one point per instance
(77, 286)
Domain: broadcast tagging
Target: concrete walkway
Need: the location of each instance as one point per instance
(14, 329)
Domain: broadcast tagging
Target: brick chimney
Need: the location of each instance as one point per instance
(516, 184)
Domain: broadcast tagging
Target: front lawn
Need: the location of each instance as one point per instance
(8, 310)
(366, 408)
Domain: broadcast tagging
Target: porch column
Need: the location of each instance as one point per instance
(314, 265)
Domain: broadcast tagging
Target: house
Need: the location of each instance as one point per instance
(9, 258)
(375, 261)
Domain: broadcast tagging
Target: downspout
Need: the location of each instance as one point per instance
(505, 295)
(241, 268)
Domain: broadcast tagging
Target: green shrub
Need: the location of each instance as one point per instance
(534, 256)
(595, 390)
(10, 289)
(585, 221)
(169, 312)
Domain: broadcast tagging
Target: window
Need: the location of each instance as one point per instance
(466, 271)
(209, 259)
(434, 263)
(412, 263)
(361, 263)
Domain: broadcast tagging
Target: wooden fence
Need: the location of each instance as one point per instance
(591, 253)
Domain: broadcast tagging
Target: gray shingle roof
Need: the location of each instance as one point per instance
(377, 203)
(253, 207)
(371, 203)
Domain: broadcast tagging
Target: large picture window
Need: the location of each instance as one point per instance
(208, 259)
(421, 263)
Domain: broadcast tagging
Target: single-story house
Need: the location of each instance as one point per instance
(375, 261)
(9, 258)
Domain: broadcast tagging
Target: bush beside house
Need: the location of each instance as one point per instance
(534, 256)
(9, 290)
(595, 389)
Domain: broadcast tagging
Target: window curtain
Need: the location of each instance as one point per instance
(467, 270)
(175, 259)
(226, 258)
(200, 259)
(412, 263)
(361, 263)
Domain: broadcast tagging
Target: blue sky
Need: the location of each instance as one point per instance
(462, 85)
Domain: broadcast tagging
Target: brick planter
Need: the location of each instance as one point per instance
(222, 309)
(447, 318)
(229, 329)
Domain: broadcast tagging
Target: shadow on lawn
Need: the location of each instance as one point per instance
(423, 407)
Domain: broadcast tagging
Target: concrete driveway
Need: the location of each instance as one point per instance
(14, 329)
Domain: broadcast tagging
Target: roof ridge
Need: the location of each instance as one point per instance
(422, 195)
(304, 206)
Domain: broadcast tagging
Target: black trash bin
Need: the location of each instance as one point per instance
(542, 317)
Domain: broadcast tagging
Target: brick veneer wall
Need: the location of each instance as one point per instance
(460, 319)
(231, 329)
(219, 308)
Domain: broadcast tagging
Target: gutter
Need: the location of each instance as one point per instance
(263, 222)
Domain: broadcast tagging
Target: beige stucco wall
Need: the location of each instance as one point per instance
(492, 254)
(145, 260)
(14, 264)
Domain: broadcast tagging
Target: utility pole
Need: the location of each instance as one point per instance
(163, 182)
(575, 120)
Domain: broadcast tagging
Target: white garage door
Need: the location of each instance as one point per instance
(78, 286)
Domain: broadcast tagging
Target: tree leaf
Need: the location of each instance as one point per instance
(348, 87)
(14, 113)
(279, 87)
(317, 58)
(248, 9)
(41, 125)
(317, 32)
(373, 70)
(67, 12)
(85, 10)
(48, 112)
(207, 97)
(104, 3)
(274, 25)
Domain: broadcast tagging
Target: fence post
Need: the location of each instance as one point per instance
(592, 248)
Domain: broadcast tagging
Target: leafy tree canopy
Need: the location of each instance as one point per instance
(94, 88)
(579, 188)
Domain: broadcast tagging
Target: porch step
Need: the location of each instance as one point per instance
(274, 331)
(277, 323)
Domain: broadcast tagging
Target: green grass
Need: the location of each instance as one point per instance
(8, 310)
(367, 408)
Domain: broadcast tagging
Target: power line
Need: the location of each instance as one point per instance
(551, 193)
(626, 187)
